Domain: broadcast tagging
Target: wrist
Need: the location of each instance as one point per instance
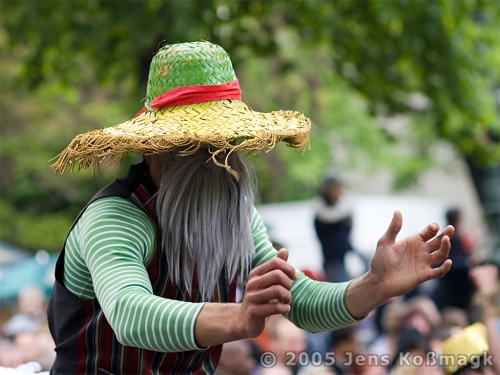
(374, 285)
(236, 325)
(218, 323)
(364, 295)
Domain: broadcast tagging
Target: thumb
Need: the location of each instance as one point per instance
(283, 254)
(390, 235)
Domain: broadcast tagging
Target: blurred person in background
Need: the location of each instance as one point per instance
(31, 314)
(10, 354)
(30, 338)
(35, 347)
(236, 359)
(29, 346)
(456, 288)
(454, 318)
(485, 279)
(46, 353)
(438, 336)
(336, 361)
(333, 222)
(412, 343)
(386, 341)
(422, 314)
(287, 342)
(347, 356)
(345, 345)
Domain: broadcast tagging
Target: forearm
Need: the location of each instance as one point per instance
(218, 323)
(146, 321)
(363, 296)
(490, 320)
(493, 340)
(319, 306)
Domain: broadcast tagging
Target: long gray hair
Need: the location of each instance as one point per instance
(204, 218)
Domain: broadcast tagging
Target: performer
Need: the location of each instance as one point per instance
(147, 277)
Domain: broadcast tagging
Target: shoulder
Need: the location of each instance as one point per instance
(117, 219)
(117, 209)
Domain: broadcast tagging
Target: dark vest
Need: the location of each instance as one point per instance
(86, 343)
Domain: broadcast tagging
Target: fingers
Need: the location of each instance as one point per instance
(436, 273)
(436, 242)
(276, 277)
(442, 253)
(429, 232)
(390, 235)
(274, 292)
(283, 254)
(264, 311)
(277, 263)
(268, 288)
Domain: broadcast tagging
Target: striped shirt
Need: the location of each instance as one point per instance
(106, 256)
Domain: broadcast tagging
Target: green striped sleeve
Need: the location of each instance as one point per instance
(116, 239)
(316, 306)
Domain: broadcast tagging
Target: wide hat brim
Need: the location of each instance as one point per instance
(224, 125)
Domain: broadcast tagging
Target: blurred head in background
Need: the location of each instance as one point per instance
(454, 217)
(236, 359)
(344, 341)
(422, 314)
(31, 301)
(454, 317)
(10, 354)
(331, 189)
(412, 344)
(31, 314)
(285, 338)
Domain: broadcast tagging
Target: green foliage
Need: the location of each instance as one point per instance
(73, 66)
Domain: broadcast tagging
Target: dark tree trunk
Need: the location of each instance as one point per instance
(487, 183)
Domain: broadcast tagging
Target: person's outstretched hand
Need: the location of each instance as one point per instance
(398, 267)
(485, 278)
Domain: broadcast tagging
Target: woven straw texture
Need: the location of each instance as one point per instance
(225, 125)
(188, 64)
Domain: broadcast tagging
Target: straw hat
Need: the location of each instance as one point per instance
(193, 98)
(462, 347)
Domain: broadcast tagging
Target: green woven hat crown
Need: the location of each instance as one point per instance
(188, 64)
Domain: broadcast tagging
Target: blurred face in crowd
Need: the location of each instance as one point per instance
(350, 345)
(30, 301)
(236, 358)
(287, 338)
(28, 345)
(418, 321)
(10, 355)
(333, 192)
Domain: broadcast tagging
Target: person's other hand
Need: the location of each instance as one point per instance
(267, 293)
(398, 267)
(485, 278)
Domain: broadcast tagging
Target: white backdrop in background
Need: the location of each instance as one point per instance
(291, 224)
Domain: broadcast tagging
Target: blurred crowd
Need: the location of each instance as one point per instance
(448, 327)
(404, 337)
(383, 343)
(25, 337)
